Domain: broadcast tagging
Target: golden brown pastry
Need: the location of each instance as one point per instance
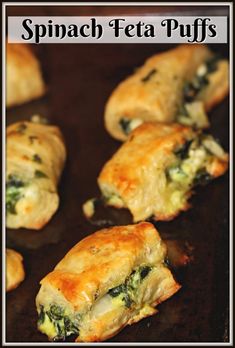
(35, 156)
(14, 269)
(112, 278)
(24, 80)
(153, 173)
(177, 85)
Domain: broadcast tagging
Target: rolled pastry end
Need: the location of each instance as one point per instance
(34, 209)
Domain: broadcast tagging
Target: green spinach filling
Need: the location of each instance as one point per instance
(192, 111)
(200, 81)
(126, 291)
(15, 188)
(58, 324)
(182, 152)
(61, 324)
(190, 166)
(191, 89)
(14, 191)
(125, 125)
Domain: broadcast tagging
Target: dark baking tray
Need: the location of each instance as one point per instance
(80, 78)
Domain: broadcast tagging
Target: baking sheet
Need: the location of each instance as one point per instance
(80, 78)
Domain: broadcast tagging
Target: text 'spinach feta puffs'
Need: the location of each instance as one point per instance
(112, 278)
(24, 81)
(153, 173)
(35, 156)
(14, 269)
(179, 85)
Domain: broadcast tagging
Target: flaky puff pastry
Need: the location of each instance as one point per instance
(35, 156)
(24, 80)
(90, 284)
(153, 173)
(155, 92)
(14, 269)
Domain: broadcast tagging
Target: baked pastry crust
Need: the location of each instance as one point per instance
(100, 262)
(24, 80)
(155, 92)
(137, 176)
(14, 269)
(35, 156)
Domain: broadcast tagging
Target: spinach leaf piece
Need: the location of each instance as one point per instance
(182, 152)
(56, 312)
(39, 174)
(37, 158)
(41, 316)
(202, 178)
(70, 327)
(191, 89)
(127, 300)
(13, 180)
(63, 324)
(125, 123)
(13, 193)
(144, 271)
(114, 292)
(149, 75)
(127, 289)
(121, 291)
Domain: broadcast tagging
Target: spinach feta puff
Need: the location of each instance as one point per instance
(153, 173)
(179, 85)
(15, 273)
(24, 80)
(112, 278)
(35, 156)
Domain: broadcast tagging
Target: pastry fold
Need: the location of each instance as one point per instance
(177, 85)
(24, 80)
(110, 279)
(35, 156)
(153, 173)
(14, 269)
